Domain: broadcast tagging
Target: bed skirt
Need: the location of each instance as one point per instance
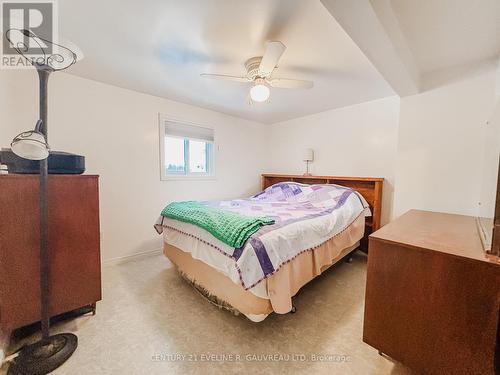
(281, 286)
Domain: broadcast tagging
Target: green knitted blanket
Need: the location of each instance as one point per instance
(229, 227)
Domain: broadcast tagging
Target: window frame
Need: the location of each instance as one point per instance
(188, 175)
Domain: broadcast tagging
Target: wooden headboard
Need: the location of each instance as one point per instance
(369, 187)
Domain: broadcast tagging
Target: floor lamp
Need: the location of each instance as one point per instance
(49, 352)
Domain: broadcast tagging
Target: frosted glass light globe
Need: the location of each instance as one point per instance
(260, 92)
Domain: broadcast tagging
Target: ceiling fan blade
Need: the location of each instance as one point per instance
(225, 77)
(286, 83)
(273, 53)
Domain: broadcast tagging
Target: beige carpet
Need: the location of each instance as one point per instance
(151, 322)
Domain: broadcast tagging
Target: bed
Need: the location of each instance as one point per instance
(317, 221)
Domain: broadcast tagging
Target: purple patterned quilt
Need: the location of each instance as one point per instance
(306, 216)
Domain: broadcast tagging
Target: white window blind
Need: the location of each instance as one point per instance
(189, 131)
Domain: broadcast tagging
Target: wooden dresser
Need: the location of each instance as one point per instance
(432, 296)
(74, 246)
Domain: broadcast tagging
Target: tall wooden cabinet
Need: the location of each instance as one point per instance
(74, 246)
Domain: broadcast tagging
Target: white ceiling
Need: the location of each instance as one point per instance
(442, 34)
(419, 45)
(161, 46)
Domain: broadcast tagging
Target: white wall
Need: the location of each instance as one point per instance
(117, 131)
(359, 140)
(489, 165)
(440, 146)
(4, 127)
(497, 80)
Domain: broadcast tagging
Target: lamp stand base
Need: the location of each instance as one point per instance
(44, 356)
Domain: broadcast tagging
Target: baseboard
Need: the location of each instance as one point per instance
(128, 258)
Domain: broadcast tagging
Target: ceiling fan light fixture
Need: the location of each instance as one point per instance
(259, 71)
(260, 91)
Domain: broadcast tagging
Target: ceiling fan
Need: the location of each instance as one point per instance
(259, 72)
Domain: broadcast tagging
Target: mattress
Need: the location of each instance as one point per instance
(276, 291)
(307, 218)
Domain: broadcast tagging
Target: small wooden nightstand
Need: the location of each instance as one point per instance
(432, 296)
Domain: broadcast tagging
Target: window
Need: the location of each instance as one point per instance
(186, 150)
